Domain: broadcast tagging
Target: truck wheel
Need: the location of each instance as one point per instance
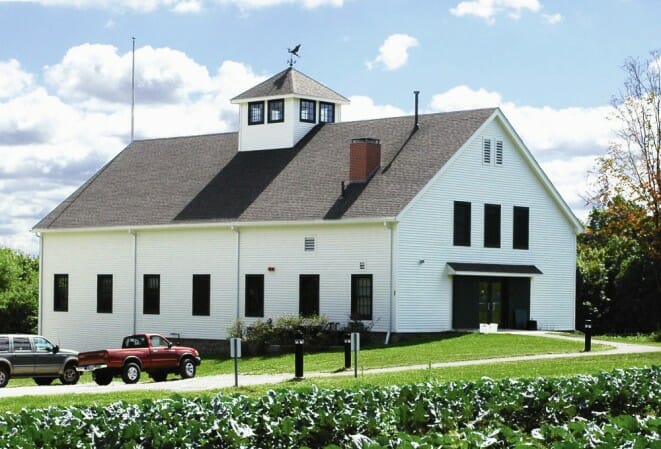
(187, 368)
(131, 373)
(4, 376)
(159, 376)
(43, 380)
(70, 376)
(102, 377)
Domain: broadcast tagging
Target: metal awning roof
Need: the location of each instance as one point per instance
(492, 269)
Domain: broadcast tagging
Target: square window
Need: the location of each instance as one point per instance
(61, 293)
(256, 113)
(104, 293)
(151, 294)
(255, 295)
(308, 108)
(276, 111)
(361, 296)
(201, 294)
(462, 224)
(492, 225)
(326, 112)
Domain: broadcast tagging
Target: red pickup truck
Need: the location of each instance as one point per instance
(152, 353)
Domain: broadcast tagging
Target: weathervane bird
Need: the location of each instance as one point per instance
(293, 52)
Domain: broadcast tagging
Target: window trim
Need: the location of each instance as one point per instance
(251, 121)
(153, 309)
(355, 315)
(270, 109)
(467, 216)
(517, 243)
(201, 299)
(61, 303)
(256, 310)
(314, 111)
(490, 240)
(103, 305)
(321, 108)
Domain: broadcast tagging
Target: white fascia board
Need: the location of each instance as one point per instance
(227, 225)
(287, 96)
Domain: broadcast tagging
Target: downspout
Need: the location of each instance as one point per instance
(135, 280)
(238, 272)
(40, 323)
(390, 298)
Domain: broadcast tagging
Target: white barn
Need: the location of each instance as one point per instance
(412, 224)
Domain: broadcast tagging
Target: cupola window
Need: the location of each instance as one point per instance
(326, 112)
(256, 113)
(308, 111)
(276, 111)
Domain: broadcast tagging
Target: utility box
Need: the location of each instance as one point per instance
(235, 348)
(355, 341)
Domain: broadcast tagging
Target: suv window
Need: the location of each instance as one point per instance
(4, 344)
(22, 344)
(42, 345)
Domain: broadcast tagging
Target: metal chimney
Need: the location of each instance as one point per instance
(416, 125)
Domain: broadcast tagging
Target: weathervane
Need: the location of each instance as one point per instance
(293, 52)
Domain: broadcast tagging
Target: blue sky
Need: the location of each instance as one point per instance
(552, 66)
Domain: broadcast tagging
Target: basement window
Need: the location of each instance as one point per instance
(309, 244)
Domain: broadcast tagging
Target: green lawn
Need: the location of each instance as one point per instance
(448, 347)
(534, 368)
(653, 339)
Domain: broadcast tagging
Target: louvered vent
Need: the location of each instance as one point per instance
(486, 151)
(499, 152)
(309, 244)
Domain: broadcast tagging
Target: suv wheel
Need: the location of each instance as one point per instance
(187, 368)
(131, 373)
(4, 376)
(70, 376)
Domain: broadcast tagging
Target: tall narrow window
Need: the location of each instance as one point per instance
(462, 223)
(492, 225)
(486, 151)
(276, 111)
(256, 113)
(61, 293)
(499, 152)
(308, 111)
(255, 295)
(104, 293)
(521, 227)
(326, 112)
(308, 294)
(201, 294)
(361, 296)
(151, 294)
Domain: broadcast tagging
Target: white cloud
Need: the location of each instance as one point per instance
(463, 97)
(489, 9)
(363, 108)
(109, 24)
(13, 80)
(188, 6)
(181, 6)
(553, 19)
(394, 52)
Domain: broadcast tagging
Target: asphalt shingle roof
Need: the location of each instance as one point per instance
(291, 82)
(205, 179)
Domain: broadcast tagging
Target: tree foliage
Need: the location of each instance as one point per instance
(19, 291)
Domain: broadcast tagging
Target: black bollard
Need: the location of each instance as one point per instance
(347, 351)
(298, 343)
(587, 328)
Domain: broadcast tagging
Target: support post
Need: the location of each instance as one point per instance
(298, 343)
(347, 351)
(587, 328)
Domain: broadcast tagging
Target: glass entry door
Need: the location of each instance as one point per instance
(489, 300)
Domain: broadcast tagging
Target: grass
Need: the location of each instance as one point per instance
(449, 347)
(527, 369)
(653, 339)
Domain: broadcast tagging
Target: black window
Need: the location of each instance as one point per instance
(22, 344)
(61, 293)
(308, 111)
(151, 294)
(276, 111)
(104, 293)
(521, 227)
(361, 296)
(4, 344)
(492, 226)
(462, 223)
(254, 295)
(256, 113)
(308, 294)
(201, 294)
(326, 112)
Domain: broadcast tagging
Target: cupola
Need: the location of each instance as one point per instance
(278, 112)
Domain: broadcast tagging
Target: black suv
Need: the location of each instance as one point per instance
(34, 356)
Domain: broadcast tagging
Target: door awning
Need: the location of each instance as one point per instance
(492, 269)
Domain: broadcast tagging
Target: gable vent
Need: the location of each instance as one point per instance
(499, 152)
(309, 244)
(486, 151)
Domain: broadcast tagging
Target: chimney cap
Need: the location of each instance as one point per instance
(365, 140)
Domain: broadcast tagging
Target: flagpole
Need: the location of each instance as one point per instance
(132, 88)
